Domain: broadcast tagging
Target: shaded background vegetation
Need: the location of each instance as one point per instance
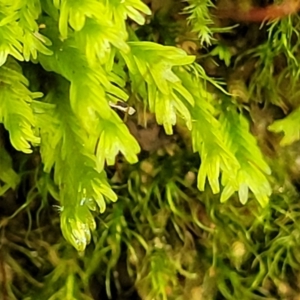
(163, 238)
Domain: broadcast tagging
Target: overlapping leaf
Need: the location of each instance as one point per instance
(200, 19)
(15, 107)
(114, 137)
(8, 176)
(89, 101)
(10, 42)
(19, 31)
(70, 149)
(153, 63)
(290, 126)
(207, 136)
(253, 169)
(97, 38)
(122, 9)
(85, 133)
(75, 12)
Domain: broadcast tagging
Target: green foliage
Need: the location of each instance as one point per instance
(290, 126)
(8, 176)
(223, 53)
(201, 19)
(206, 212)
(253, 168)
(15, 111)
(19, 31)
(153, 64)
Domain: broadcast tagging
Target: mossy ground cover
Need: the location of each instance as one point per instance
(149, 150)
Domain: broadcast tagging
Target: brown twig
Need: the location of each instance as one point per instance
(261, 14)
